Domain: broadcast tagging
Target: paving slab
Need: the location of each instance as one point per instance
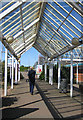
(61, 103)
(21, 104)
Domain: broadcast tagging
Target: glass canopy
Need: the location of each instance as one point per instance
(49, 27)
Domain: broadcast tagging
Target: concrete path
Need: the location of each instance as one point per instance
(61, 105)
(46, 103)
(21, 104)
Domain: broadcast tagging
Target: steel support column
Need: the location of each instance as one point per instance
(71, 75)
(45, 71)
(59, 72)
(18, 71)
(51, 74)
(12, 72)
(77, 74)
(15, 71)
(5, 80)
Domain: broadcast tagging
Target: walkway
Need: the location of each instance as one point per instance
(61, 105)
(46, 102)
(21, 104)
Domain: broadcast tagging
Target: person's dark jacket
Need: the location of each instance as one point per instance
(31, 75)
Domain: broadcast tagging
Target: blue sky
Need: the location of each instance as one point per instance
(29, 57)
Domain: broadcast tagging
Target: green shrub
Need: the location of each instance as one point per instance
(65, 73)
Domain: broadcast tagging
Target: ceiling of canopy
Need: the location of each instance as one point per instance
(49, 27)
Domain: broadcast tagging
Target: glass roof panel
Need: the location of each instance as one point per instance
(10, 22)
(44, 36)
(59, 8)
(50, 32)
(57, 43)
(75, 22)
(54, 10)
(52, 21)
(59, 23)
(73, 28)
(5, 5)
(69, 30)
(17, 42)
(65, 5)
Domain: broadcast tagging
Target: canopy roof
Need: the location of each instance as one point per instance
(49, 27)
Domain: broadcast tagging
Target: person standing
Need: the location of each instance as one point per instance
(31, 75)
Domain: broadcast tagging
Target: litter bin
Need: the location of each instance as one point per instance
(63, 86)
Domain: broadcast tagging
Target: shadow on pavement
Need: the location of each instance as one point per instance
(14, 113)
(53, 110)
(8, 101)
(18, 93)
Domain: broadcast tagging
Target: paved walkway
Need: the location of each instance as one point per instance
(46, 102)
(61, 105)
(21, 104)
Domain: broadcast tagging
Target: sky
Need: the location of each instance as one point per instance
(29, 57)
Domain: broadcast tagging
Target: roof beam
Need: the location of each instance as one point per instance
(38, 46)
(76, 60)
(26, 28)
(76, 6)
(25, 42)
(39, 50)
(50, 45)
(55, 32)
(12, 8)
(64, 51)
(9, 47)
(27, 48)
(22, 23)
(40, 17)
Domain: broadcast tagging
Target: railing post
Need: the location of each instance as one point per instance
(71, 75)
(5, 81)
(12, 72)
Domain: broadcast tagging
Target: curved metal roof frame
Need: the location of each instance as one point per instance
(49, 27)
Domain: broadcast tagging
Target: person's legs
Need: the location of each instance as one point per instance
(32, 88)
(30, 85)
